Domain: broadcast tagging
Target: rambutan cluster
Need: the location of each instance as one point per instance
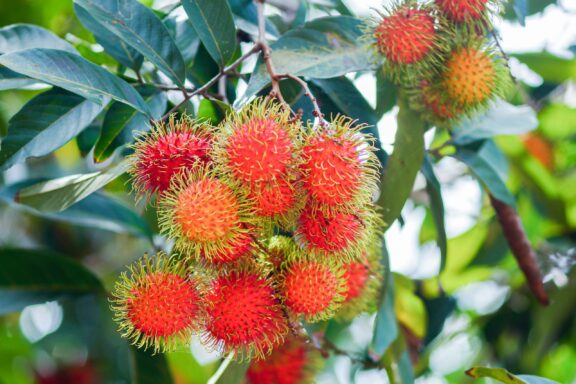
(440, 53)
(223, 196)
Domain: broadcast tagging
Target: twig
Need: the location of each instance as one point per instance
(204, 89)
(218, 374)
(307, 92)
(267, 52)
(520, 247)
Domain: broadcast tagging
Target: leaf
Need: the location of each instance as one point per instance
(403, 165)
(35, 276)
(437, 207)
(213, 21)
(553, 69)
(18, 37)
(521, 10)
(386, 327)
(121, 122)
(506, 377)
(11, 80)
(139, 27)
(386, 94)
(118, 49)
(184, 36)
(148, 368)
(247, 17)
(324, 48)
(213, 111)
(44, 124)
(501, 119)
(58, 194)
(95, 211)
(489, 165)
(74, 74)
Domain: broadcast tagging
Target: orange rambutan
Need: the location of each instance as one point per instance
(167, 150)
(356, 275)
(463, 11)
(473, 76)
(277, 201)
(438, 106)
(158, 305)
(258, 144)
(312, 289)
(340, 169)
(294, 362)
(203, 214)
(237, 247)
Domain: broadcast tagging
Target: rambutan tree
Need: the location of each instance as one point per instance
(213, 176)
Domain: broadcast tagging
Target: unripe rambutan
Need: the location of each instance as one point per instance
(312, 289)
(258, 144)
(203, 214)
(340, 169)
(244, 315)
(158, 305)
(473, 76)
(463, 11)
(294, 362)
(166, 151)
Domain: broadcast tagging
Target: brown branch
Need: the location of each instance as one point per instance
(307, 92)
(520, 247)
(204, 89)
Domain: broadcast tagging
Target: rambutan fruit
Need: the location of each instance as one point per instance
(158, 305)
(407, 35)
(277, 202)
(243, 315)
(294, 362)
(463, 11)
(282, 249)
(236, 248)
(340, 169)
(203, 214)
(435, 104)
(336, 234)
(473, 76)
(167, 150)
(312, 289)
(259, 144)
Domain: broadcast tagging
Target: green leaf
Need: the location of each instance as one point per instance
(139, 27)
(437, 207)
(386, 327)
(506, 377)
(118, 49)
(214, 24)
(552, 68)
(184, 36)
(386, 93)
(148, 368)
(324, 48)
(11, 80)
(521, 10)
(44, 124)
(58, 194)
(121, 122)
(74, 74)
(501, 119)
(247, 17)
(213, 111)
(234, 373)
(96, 211)
(33, 276)
(489, 165)
(18, 37)
(403, 165)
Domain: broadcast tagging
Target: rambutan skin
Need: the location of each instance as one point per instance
(312, 289)
(356, 276)
(259, 144)
(339, 166)
(294, 362)
(462, 11)
(470, 76)
(273, 198)
(406, 36)
(158, 305)
(166, 151)
(244, 315)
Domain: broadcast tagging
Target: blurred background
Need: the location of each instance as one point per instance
(485, 317)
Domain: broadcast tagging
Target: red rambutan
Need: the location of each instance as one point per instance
(158, 305)
(356, 275)
(293, 362)
(168, 150)
(340, 169)
(407, 35)
(312, 289)
(258, 144)
(462, 11)
(244, 316)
